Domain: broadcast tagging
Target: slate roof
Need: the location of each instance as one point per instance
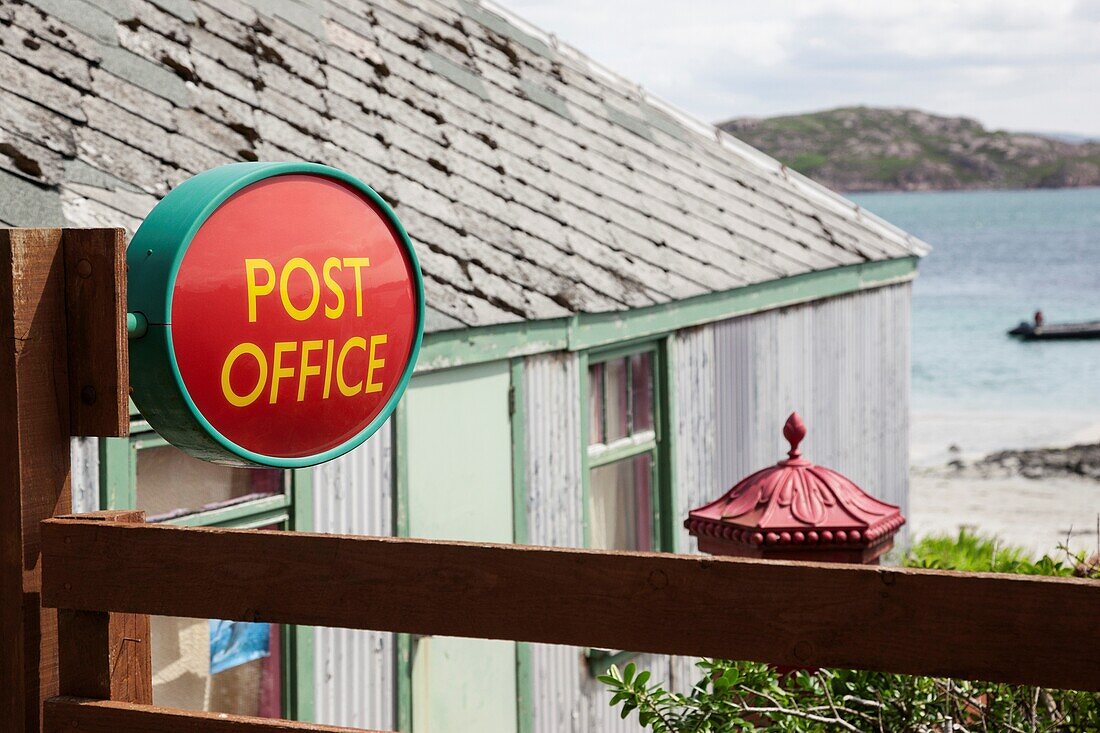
(534, 183)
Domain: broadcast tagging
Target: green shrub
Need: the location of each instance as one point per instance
(750, 696)
(808, 163)
(971, 552)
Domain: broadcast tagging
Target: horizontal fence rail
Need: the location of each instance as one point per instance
(76, 715)
(1003, 628)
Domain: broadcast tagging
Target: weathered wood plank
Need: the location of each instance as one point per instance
(34, 462)
(76, 715)
(979, 626)
(95, 310)
(103, 655)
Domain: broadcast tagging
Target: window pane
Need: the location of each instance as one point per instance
(641, 386)
(621, 506)
(616, 385)
(595, 404)
(171, 483)
(218, 666)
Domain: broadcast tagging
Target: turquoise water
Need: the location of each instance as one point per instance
(998, 256)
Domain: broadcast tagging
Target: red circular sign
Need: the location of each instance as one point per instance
(294, 315)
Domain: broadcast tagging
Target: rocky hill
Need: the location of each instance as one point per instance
(870, 149)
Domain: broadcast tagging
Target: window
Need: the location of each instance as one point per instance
(172, 485)
(623, 451)
(626, 493)
(207, 664)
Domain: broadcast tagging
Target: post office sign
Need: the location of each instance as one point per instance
(285, 310)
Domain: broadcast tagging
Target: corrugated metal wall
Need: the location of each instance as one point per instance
(695, 403)
(551, 383)
(353, 678)
(84, 454)
(842, 363)
(553, 450)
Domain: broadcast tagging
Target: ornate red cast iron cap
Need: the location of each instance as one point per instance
(794, 508)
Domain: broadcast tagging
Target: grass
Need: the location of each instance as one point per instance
(973, 552)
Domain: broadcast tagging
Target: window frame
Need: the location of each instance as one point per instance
(291, 510)
(655, 442)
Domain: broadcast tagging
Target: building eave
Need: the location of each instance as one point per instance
(461, 347)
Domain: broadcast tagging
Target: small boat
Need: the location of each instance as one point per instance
(1056, 331)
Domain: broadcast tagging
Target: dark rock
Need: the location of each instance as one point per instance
(1038, 463)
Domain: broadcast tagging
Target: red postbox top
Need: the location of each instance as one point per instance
(796, 506)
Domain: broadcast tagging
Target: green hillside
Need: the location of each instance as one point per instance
(871, 149)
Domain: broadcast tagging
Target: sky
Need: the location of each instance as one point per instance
(1026, 65)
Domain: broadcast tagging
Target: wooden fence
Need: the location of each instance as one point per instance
(89, 664)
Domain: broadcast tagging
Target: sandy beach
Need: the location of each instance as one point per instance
(1037, 514)
(977, 434)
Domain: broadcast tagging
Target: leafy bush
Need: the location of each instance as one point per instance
(749, 696)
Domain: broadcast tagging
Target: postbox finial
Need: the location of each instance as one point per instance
(794, 430)
(794, 509)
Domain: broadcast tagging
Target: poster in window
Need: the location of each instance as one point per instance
(233, 643)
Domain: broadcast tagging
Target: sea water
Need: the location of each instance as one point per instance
(998, 256)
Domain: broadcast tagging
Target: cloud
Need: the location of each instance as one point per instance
(1015, 64)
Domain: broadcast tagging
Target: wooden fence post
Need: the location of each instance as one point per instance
(95, 311)
(34, 460)
(55, 336)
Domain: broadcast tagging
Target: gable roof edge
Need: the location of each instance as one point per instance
(819, 193)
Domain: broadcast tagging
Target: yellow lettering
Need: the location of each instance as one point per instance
(227, 389)
(278, 371)
(328, 370)
(307, 369)
(346, 389)
(373, 363)
(333, 263)
(357, 263)
(299, 263)
(255, 290)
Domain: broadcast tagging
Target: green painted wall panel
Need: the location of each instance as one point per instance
(459, 483)
(463, 685)
(460, 454)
